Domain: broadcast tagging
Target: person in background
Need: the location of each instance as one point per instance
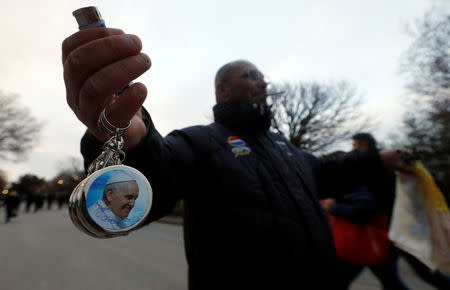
(12, 203)
(358, 205)
(367, 143)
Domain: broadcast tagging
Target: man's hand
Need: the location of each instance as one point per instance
(99, 62)
(327, 203)
(392, 159)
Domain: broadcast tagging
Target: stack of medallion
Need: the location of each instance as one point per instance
(111, 202)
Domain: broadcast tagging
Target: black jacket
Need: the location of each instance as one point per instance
(356, 206)
(252, 218)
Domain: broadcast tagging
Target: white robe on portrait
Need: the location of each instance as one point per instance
(105, 218)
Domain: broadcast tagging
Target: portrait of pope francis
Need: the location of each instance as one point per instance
(119, 197)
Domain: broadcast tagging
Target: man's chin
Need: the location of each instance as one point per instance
(123, 216)
(261, 98)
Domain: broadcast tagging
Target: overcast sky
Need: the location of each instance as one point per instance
(289, 40)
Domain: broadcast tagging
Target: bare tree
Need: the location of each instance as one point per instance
(427, 60)
(427, 64)
(28, 184)
(71, 171)
(71, 164)
(315, 116)
(18, 129)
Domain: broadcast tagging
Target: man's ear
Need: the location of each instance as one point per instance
(222, 92)
(365, 146)
(109, 194)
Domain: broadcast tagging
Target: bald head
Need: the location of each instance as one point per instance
(239, 80)
(223, 75)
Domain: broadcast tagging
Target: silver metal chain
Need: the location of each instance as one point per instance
(112, 153)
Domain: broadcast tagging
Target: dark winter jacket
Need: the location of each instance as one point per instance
(379, 191)
(357, 206)
(252, 217)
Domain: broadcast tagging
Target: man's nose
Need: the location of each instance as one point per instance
(262, 83)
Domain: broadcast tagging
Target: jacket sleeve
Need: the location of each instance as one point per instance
(356, 168)
(358, 206)
(168, 164)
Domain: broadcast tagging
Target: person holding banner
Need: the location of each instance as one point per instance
(366, 142)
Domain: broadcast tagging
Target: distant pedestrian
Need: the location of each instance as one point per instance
(39, 202)
(61, 198)
(12, 202)
(50, 199)
(29, 201)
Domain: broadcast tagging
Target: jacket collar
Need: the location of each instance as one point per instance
(243, 115)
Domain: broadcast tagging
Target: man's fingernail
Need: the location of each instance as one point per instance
(134, 40)
(144, 58)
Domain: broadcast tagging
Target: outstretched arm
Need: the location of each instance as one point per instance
(392, 159)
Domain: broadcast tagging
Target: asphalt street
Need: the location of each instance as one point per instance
(44, 250)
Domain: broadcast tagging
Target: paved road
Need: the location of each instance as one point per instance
(44, 251)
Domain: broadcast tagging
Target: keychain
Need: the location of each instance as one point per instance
(113, 199)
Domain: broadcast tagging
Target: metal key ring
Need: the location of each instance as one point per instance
(109, 129)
